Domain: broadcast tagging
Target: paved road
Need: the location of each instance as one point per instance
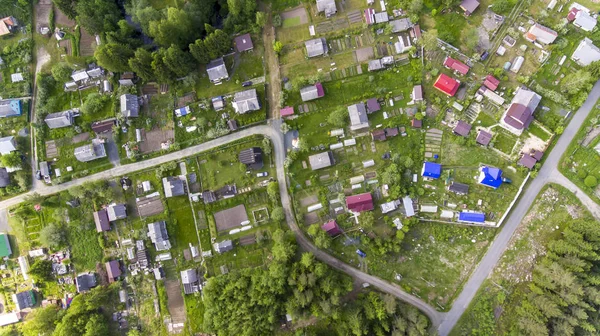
(548, 173)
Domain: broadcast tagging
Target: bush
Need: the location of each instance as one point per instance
(591, 181)
(581, 174)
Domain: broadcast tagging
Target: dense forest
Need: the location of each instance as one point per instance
(563, 297)
(253, 301)
(164, 44)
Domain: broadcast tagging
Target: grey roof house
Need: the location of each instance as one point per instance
(61, 119)
(321, 160)
(4, 178)
(157, 232)
(189, 279)
(85, 281)
(358, 116)
(217, 71)
(586, 53)
(24, 299)
(312, 92)
(316, 47)
(130, 106)
(90, 152)
(116, 212)
(252, 157)
(8, 145)
(174, 186)
(245, 101)
(326, 6)
(400, 25)
(224, 246)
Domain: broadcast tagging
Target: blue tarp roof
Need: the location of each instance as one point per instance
(181, 111)
(473, 217)
(491, 177)
(431, 169)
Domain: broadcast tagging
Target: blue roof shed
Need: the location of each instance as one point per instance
(431, 170)
(10, 108)
(490, 177)
(471, 217)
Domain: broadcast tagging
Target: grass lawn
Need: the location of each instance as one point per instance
(291, 22)
(181, 224)
(504, 142)
(539, 132)
(504, 289)
(194, 308)
(580, 161)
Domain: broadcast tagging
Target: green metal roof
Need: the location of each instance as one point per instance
(5, 250)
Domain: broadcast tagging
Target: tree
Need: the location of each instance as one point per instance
(277, 20)
(141, 64)
(177, 28)
(114, 57)
(591, 181)
(200, 52)
(162, 72)
(576, 81)
(61, 71)
(67, 7)
(416, 6)
(53, 236)
(41, 321)
(12, 159)
(284, 128)
(41, 270)
(98, 16)
(266, 145)
(277, 47)
(273, 192)
(366, 220)
(181, 63)
(338, 118)
(429, 39)
(218, 43)
(261, 19)
(277, 215)
(94, 102)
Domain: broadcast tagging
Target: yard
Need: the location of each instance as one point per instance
(493, 309)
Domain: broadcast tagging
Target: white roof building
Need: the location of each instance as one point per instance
(585, 21)
(541, 34)
(586, 53)
(7, 145)
(17, 77)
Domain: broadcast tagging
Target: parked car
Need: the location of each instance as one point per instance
(263, 174)
(485, 55)
(361, 253)
(248, 83)
(38, 175)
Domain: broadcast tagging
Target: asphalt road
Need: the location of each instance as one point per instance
(548, 173)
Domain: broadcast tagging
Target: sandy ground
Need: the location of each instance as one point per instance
(296, 12)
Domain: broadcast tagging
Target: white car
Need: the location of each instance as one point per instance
(263, 174)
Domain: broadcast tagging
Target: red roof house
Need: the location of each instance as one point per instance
(446, 84)
(286, 111)
(360, 202)
(572, 14)
(456, 65)
(483, 138)
(113, 270)
(537, 154)
(491, 82)
(527, 161)
(332, 228)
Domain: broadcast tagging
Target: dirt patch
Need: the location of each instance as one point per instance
(155, 138)
(309, 200)
(87, 44)
(364, 54)
(51, 149)
(186, 99)
(66, 44)
(299, 12)
(175, 301)
(62, 20)
(80, 138)
(533, 143)
(590, 136)
(311, 218)
(42, 11)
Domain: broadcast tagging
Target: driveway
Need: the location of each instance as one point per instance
(112, 150)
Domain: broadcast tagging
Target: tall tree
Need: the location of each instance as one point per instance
(181, 63)
(67, 7)
(98, 16)
(200, 52)
(161, 70)
(114, 57)
(141, 64)
(40, 322)
(176, 28)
